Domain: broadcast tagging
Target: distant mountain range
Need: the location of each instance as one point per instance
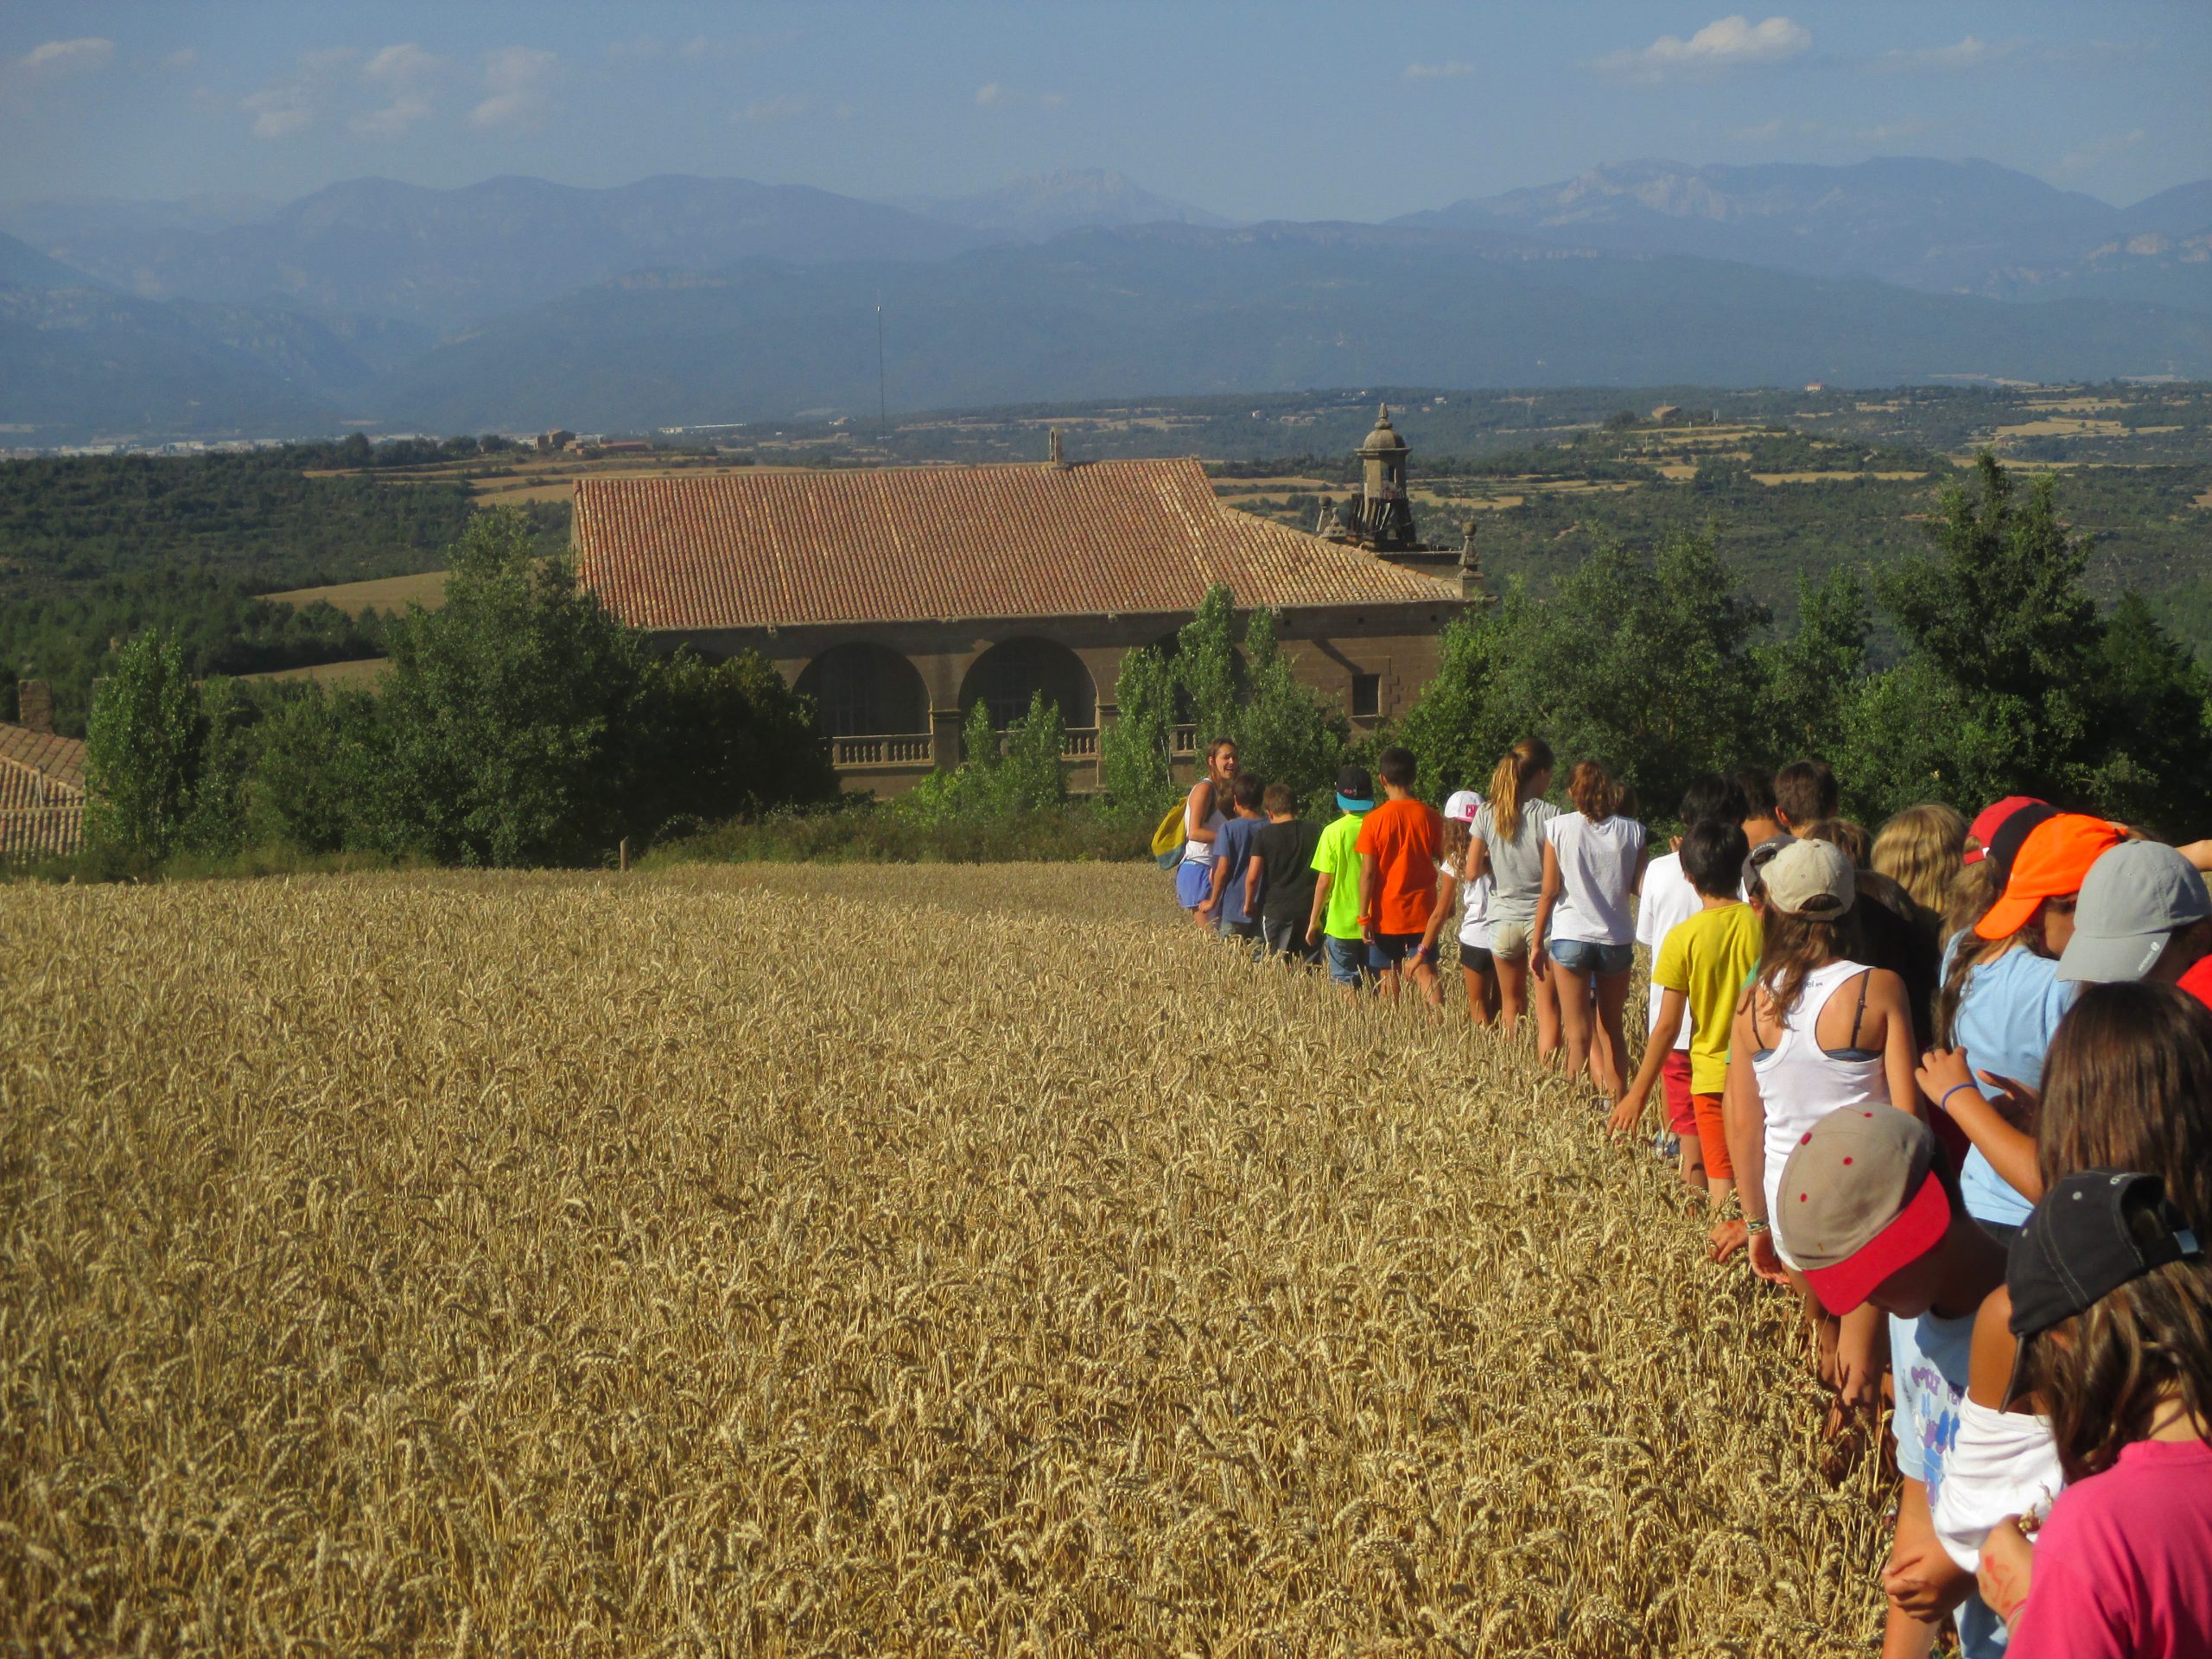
(517, 302)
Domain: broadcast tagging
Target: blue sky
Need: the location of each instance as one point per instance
(1261, 109)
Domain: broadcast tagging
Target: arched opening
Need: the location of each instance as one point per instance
(1005, 678)
(863, 690)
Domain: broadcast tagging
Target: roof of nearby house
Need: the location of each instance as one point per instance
(42, 793)
(740, 549)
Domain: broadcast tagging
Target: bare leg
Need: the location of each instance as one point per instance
(1513, 992)
(1574, 1022)
(1543, 1001)
(1481, 995)
(1609, 1060)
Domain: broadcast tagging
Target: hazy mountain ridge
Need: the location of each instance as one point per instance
(1076, 283)
(1941, 226)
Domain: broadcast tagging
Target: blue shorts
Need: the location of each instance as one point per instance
(1587, 957)
(1347, 960)
(1388, 952)
(1192, 883)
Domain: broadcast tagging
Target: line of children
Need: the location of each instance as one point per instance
(2025, 1262)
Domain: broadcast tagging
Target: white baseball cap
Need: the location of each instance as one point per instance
(1463, 805)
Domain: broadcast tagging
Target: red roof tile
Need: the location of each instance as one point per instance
(41, 832)
(735, 550)
(61, 759)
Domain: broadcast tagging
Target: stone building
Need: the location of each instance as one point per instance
(899, 597)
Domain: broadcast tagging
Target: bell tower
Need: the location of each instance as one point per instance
(1385, 517)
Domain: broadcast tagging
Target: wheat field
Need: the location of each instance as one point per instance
(950, 1260)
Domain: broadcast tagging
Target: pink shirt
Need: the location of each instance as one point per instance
(2123, 1566)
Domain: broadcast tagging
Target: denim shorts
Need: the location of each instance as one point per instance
(1347, 961)
(1391, 951)
(1476, 958)
(1587, 957)
(1287, 939)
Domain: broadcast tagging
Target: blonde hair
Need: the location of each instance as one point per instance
(1923, 850)
(1522, 766)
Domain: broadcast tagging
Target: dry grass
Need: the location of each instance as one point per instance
(968, 1260)
(426, 589)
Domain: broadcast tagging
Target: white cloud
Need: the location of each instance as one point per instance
(69, 57)
(996, 95)
(394, 118)
(278, 111)
(329, 60)
(1450, 69)
(1968, 53)
(515, 80)
(2097, 152)
(405, 65)
(764, 110)
(1733, 42)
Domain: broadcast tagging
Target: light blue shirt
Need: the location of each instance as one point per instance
(2010, 1009)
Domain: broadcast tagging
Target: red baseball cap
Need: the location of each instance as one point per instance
(2052, 863)
(1983, 830)
(1860, 1198)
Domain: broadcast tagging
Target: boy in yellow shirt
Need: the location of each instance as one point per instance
(1702, 970)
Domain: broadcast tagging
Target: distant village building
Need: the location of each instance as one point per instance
(1666, 412)
(41, 782)
(899, 597)
(1379, 516)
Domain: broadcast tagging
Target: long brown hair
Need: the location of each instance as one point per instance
(1453, 849)
(1522, 766)
(1594, 791)
(2108, 1374)
(2127, 1084)
(1976, 887)
(1794, 945)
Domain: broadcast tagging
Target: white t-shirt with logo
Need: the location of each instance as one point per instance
(1597, 867)
(1668, 898)
(1474, 911)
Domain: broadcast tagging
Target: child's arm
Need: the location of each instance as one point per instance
(1922, 1581)
(1212, 904)
(1322, 883)
(1371, 893)
(1948, 1083)
(1743, 1114)
(1885, 996)
(1447, 890)
(1194, 818)
(1252, 884)
(1858, 1357)
(1477, 858)
(1538, 959)
(1672, 1003)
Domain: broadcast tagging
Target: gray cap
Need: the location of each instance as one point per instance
(2133, 896)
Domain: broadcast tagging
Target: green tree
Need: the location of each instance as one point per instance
(507, 708)
(1808, 679)
(143, 750)
(999, 775)
(217, 823)
(1283, 732)
(1135, 752)
(720, 740)
(320, 777)
(1206, 665)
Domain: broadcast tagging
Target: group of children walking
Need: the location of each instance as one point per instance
(1951, 1083)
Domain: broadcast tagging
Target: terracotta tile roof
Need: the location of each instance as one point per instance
(41, 832)
(61, 759)
(41, 794)
(734, 549)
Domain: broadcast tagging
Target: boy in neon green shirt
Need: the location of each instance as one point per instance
(1700, 972)
(1335, 921)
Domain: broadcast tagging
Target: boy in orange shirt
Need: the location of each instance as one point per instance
(1397, 846)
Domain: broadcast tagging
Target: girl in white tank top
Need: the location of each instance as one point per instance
(1800, 1082)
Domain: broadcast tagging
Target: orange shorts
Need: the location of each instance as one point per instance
(1674, 1085)
(1713, 1136)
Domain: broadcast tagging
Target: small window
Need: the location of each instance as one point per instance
(1366, 694)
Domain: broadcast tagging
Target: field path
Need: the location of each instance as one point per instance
(945, 1259)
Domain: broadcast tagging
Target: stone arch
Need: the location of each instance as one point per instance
(863, 690)
(1009, 673)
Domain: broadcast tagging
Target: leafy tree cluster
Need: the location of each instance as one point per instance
(520, 724)
(1283, 732)
(2009, 679)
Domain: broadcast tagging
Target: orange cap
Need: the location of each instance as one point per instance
(2050, 864)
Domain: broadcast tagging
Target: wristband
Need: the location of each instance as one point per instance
(1758, 1227)
(1944, 1104)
